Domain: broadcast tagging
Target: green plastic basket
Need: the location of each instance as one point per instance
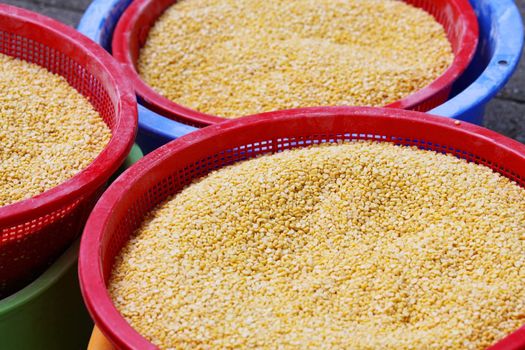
(49, 313)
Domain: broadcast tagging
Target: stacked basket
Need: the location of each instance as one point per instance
(36, 231)
(496, 59)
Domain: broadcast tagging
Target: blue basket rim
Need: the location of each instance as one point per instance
(502, 65)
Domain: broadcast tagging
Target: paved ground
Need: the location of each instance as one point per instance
(505, 114)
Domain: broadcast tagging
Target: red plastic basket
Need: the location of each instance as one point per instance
(34, 231)
(456, 16)
(170, 168)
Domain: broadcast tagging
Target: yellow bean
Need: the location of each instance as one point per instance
(398, 248)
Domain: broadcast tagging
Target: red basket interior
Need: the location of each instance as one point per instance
(169, 169)
(34, 231)
(456, 16)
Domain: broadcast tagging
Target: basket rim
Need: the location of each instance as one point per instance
(123, 132)
(92, 282)
(503, 61)
(156, 102)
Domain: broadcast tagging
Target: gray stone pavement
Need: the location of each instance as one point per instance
(505, 114)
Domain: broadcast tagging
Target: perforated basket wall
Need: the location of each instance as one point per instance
(456, 16)
(169, 169)
(33, 232)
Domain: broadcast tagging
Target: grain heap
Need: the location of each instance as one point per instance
(48, 131)
(237, 57)
(352, 246)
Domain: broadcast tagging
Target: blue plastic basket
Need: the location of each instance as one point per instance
(498, 55)
(499, 51)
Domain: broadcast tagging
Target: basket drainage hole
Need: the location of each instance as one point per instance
(503, 62)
